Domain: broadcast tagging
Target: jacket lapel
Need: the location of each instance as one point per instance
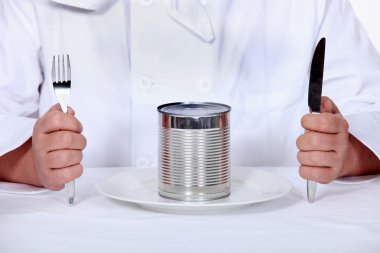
(192, 15)
(91, 5)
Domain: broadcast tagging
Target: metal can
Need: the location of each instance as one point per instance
(194, 151)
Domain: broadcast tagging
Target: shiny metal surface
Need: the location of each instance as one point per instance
(316, 77)
(62, 89)
(194, 151)
(314, 97)
(194, 115)
(311, 187)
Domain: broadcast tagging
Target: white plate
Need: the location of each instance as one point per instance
(357, 180)
(248, 186)
(15, 188)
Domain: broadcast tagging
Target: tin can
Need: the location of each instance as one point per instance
(194, 151)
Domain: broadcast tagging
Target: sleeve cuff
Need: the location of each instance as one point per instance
(365, 127)
(14, 131)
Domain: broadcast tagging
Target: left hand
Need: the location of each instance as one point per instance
(324, 147)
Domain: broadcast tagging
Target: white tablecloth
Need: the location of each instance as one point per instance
(344, 218)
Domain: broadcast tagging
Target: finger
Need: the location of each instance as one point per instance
(57, 178)
(315, 141)
(324, 123)
(64, 140)
(321, 175)
(62, 158)
(57, 107)
(70, 111)
(327, 105)
(317, 158)
(58, 121)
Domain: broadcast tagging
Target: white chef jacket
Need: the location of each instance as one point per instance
(128, 57)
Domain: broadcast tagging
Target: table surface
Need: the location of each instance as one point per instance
(344, 218)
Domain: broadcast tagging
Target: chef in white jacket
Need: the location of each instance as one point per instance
(128, 57)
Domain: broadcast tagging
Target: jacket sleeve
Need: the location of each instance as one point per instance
(352, 72)
(20, 73)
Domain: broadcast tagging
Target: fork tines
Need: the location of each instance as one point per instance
(61, 72)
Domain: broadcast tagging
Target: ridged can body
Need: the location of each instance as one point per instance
(194, 151)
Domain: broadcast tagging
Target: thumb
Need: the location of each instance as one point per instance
(327, 105)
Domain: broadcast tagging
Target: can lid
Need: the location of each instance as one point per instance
(195, 109)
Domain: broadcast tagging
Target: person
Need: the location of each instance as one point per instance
(128, 57)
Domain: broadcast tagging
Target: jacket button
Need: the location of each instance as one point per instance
(143, 161)
(204, 2)
(145, 83)
(205, 85)
(147, 3)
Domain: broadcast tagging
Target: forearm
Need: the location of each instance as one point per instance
(360, 160)
(18, 166)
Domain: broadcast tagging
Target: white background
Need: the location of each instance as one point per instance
(368, 11)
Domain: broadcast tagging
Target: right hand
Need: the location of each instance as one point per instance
(57, 145)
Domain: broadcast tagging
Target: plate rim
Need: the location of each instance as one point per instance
(200, 205)
(35, 189)
(357, 180)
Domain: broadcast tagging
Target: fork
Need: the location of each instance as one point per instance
(62, 85)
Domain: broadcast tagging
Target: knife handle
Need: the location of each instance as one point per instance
(311, 186)
(311, 190)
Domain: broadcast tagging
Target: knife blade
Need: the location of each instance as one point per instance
(316, 77)
(314, 96)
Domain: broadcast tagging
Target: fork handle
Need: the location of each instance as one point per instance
(63, 96)
(70, 186)
(64, 108)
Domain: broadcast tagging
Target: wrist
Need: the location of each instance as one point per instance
(360, 160)
(351, 162)
(17, 165)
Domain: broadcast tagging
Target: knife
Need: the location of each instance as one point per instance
(314, 97)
